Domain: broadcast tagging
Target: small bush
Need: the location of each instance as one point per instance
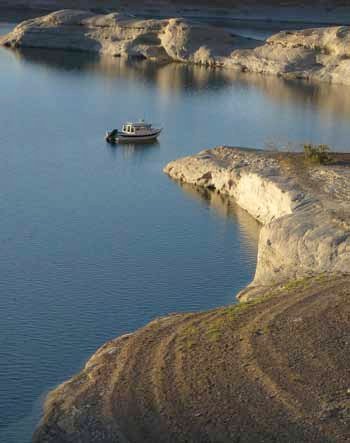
(319, 154)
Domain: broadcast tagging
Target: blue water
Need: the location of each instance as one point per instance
(95, 239)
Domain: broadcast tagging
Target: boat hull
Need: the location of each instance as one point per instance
(118, 137)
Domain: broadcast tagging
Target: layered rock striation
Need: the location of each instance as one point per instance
(303, 234)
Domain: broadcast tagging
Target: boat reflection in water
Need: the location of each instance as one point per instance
(133, 151)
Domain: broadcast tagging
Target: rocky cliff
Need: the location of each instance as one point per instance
(119, 35)
(320, 54)
(303, 234)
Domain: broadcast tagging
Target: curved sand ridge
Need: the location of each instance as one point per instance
(320, 54)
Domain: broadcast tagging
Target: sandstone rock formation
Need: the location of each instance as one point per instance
(306, 227)
(320, 54)
(123, 36)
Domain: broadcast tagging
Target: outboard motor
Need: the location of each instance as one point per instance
(111, 136)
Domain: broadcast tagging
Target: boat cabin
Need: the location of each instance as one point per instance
(136, 128)
(139, 132)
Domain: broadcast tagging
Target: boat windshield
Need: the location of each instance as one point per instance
(132, 128)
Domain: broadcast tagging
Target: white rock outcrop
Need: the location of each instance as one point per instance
(320, 54)
(301, 234)
(121, 35)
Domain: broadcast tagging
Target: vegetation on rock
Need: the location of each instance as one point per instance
(319, 154)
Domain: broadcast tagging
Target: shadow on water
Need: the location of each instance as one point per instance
(226, 208)
(168, 77)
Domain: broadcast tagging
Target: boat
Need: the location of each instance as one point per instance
(133, 132)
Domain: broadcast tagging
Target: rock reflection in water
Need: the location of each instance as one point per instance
(226, 208)
(176, 77)
(330, 98)
(169, 77)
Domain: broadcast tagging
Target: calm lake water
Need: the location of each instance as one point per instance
(95, 239)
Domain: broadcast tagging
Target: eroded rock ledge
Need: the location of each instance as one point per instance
(121, 35)
(305, 211)
(320, 54)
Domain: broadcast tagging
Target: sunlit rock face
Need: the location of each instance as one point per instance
(320, 54)
(122, 36)
(303, 215)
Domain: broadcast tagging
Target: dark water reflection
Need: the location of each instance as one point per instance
(168, 77)
(227, 209)
(96, 241)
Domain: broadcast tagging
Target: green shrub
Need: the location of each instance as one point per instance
(319, 154)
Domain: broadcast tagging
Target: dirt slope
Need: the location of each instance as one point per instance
(272, 370)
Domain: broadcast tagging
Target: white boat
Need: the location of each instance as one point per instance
(133, 132)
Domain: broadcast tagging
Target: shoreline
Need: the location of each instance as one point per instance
(171, 378)
(317, 54)
(279, 191)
